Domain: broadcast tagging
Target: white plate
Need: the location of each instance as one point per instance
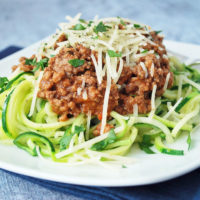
(147, 168)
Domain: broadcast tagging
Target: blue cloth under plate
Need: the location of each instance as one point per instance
(14, 186)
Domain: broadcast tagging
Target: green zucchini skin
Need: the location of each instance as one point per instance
(21, 142)
(163, 149)
(4, 112)
(185, 100)
(10, 83)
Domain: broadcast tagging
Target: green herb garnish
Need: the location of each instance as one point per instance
(121, 21)
(82, 20)
(112, 53)
(145, 51)
(146, 144)
(101, 28)
(124, 166)
(32, 62)
(65, 140)
(41, 64)
(3, 83)
(78, 27)
(90, 23)
(157, 32)
(104, 143)
(76, 62)
(95, 37)
(136, 25)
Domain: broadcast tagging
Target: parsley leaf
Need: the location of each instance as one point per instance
(30, 62)
(145, 51)
(3, 81)
(124, 166)
(41, 64)
(157, 32)
(104, 143)
(146, 144)
(65, 140)
(136, 25)
(121, 21)
(82, 20)
(90, 23)
(114, 54)
(189, 140)
(78, 27)
(100, 28)
(76, 62)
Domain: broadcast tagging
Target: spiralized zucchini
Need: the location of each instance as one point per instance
(73, 141)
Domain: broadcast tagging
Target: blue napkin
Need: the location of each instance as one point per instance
(184, 188)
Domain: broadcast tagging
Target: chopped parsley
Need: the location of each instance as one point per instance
(136, 25)
(82, 20)
(3, 83)
(32, 62)
(76, 62)
(104, 143)
(78, 27)
(41, 64)
(90, 23)
(146, 144)
(157, 32)
(121, 21)
(112, 53)
(145, 51)
(95, 37)
(100, 28)
(65, 140)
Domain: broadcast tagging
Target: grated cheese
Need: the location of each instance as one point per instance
(105, 104)
(166, 81)
(172, 109)
(85, 95)
(144, 68)
(152, 70)
(135, 110)
(35, 94)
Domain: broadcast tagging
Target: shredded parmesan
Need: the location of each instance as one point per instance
(85, 95)
(153, 106)
(196, 85)
(35, 94)
(105, 104)
(135, 110)
(144, 68)
(166, 81)
(152, 69)
(96, 68)
(86, 144)
(172, 109)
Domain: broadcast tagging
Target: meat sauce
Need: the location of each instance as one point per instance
(74, 90)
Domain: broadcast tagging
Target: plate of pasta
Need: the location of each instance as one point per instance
(102, 102)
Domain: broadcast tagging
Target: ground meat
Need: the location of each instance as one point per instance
(107, 128)
(61, 82)
(22, 64)
(74, 90)
(62, 38)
